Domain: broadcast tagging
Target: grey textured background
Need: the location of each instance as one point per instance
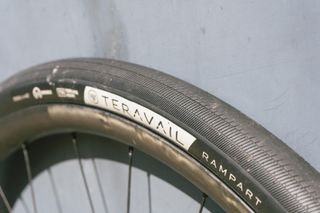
(260, 56)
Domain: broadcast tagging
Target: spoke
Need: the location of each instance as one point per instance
(100, 185)
(130, 155)
(55, 192)
(25, 207)
(149, 193)
(76, 150)
(5, 200)
(29, 174)
(204, 198)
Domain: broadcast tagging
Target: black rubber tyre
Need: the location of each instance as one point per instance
(257, 166)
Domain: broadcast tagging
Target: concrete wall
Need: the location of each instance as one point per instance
(263, 57)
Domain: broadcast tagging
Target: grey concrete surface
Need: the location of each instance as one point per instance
(263, 57)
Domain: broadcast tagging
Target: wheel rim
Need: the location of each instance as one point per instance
(60, 118)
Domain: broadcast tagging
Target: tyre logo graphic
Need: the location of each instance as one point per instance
(134, 111)
(67, 92)
(39, 94)
(93, 97)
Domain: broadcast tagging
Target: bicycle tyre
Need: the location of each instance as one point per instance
(259, 168)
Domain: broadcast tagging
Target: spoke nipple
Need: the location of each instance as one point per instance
(24, 146)
(74, 135)
(130, 151)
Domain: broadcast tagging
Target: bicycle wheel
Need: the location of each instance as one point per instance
(225, 154)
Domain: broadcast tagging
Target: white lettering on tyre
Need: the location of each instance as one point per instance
(231, 178)
(39, 94)
(66, 92)
(115, 103)
(22, 97)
